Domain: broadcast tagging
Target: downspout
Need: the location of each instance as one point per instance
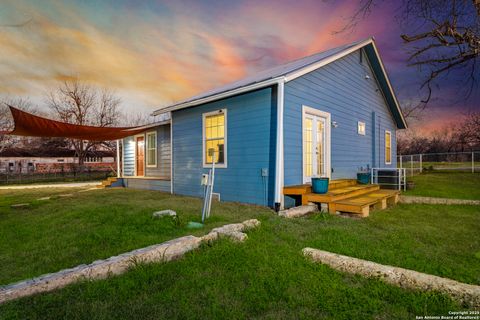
(279, 149)
(171, 153)
(374, 140)
(118, 159)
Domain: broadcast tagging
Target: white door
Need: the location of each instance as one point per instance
(316, 144)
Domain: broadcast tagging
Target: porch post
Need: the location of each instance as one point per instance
(118, 159)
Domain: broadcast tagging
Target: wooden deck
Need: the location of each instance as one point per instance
(345, 195)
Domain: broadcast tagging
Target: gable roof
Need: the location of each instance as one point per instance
(296, 68)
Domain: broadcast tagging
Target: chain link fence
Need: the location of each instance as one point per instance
(440, 162)
(8, 178)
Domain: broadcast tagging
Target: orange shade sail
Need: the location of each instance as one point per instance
(27, 124)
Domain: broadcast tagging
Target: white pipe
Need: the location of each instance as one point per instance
(171, 153)
(279, 149)
(118, 159)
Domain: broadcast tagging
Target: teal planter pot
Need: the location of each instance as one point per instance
(320, 185)
(364, 177)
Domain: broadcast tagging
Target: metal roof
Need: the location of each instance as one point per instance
(290, 71)
(271, 73)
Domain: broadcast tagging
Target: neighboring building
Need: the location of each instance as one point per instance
(327, 114)
(19, 160)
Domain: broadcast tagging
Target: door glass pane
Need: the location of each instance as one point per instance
(320, 147)
(308, 147)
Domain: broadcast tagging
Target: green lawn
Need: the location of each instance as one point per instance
(265, 277)
(64, 232)
(455, 185)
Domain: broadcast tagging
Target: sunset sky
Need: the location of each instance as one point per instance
(153, 53)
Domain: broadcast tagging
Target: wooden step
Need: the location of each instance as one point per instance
(297, 190)
(113, 179)
(361, 204)
(307, 188)
(341, 183)
(340, 193)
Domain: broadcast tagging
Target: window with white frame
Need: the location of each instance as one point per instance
(151, 149)
(388, 147)
(215, 137)
(361, 128)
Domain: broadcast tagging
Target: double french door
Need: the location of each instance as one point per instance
(316, 144)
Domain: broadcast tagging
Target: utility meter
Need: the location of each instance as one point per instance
(204, 179)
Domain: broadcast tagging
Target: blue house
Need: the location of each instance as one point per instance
(323, 115)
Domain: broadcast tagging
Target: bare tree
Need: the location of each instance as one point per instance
(6, 120)
(81, 104)
(446, 38)
(459, 137)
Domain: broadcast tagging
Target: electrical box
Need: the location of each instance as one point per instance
(204, 181)
(264, 172)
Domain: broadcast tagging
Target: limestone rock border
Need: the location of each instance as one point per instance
(432, 200)
(99, 269)
(299, 211)
(466, 294)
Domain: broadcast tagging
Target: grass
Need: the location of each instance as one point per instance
(265, 277)
(453, 185)
(63, 232)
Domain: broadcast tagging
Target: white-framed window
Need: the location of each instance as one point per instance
(151, 149)
(215, 137)
(388, 147)
(361, 128)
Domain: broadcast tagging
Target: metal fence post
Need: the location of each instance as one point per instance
(401, 162)
(411, 165)
(473, 162)
(421, 163)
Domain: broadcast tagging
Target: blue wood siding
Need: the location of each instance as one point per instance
(341, 89)
(147, 184)
(162, 169)
(163, 153)
(251, 130)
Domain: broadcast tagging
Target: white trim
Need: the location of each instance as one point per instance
(279, 161)
(148, 126)
(225, 147)
(123, 156)
(328, 138)
(389, 84)
(171, 153)
(146, 149)
(135, 155)
(385, 146)
(219, 96)
(118, 159)
(364, 128)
